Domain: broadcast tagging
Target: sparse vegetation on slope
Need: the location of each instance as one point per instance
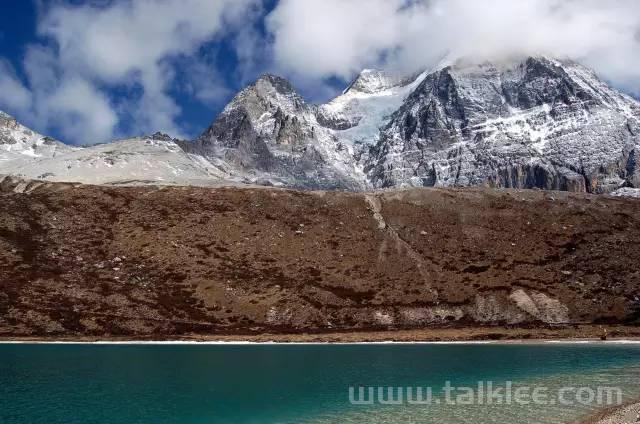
(161, 262)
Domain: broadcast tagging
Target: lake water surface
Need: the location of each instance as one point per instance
(84, 383)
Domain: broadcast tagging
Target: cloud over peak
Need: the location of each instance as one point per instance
(100, 70)
(328, 38)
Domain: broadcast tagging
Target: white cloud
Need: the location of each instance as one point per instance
(339, 37)
(332, 37)
(72, 105)
(130, 40)
(136, 46)
(134, 36)
(205, 82)
(127, 43)
(79, 109)
(14, 95)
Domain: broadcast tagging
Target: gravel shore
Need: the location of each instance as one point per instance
(627, 414)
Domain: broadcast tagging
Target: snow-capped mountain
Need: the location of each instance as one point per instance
(18, 143)
(155, 159)
(533, 122)
(270, 132)
(366, 105)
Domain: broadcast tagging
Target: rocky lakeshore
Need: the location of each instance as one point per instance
(626, 414)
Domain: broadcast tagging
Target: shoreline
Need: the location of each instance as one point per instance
(241, 342)
(467, 335)
(627, 413)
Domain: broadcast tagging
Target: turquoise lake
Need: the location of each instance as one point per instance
(84, 383)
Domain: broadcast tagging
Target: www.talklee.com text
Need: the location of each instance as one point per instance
(485, 393)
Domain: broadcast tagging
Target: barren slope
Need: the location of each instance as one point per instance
(162, 262)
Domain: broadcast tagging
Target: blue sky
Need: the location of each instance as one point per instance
(18, 33)
(91, 71)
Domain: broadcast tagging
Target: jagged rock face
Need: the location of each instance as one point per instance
(528, 123)
(535, 123)
(335, 122)
(537, 82)
(267, 109)
(7, 124)
(270, 131)
(633, 167)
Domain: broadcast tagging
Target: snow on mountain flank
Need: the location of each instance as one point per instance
(366, 105)
(155, 159)
(627, 192)
(271, 133)
(534, 122)
(18, 142)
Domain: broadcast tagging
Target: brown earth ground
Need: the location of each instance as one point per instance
(79, 261)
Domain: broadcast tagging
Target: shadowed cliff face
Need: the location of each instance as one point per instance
(161, 262)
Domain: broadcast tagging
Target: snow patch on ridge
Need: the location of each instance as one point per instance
(369, 109)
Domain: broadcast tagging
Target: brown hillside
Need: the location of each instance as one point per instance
(162, 262)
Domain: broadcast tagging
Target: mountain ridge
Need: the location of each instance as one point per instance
(535, 122)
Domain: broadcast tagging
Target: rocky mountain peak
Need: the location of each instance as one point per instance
(20, 145)
(525, 122)
(279, 84)
(267, 94)
(8, 127)
(159, 136)
(268, 129)
(371, 81)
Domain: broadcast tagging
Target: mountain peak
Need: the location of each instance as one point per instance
(158, 135)
(524, 122)
(370, 81)
(280, 84)
(8, 121)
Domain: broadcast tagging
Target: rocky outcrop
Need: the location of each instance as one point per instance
(538, 175)
(371, 81)
(334, 121)
(19, 143)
